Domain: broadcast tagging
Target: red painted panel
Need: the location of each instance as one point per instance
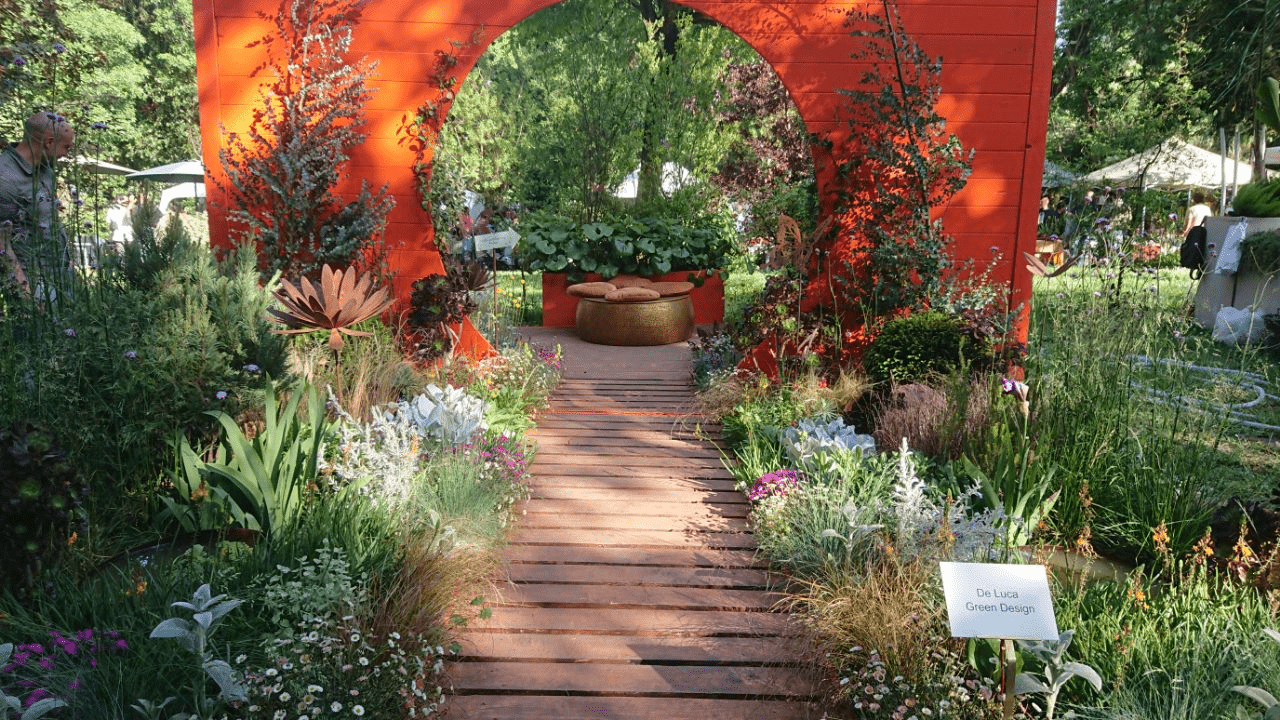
(956, 77)
(970, 107)
(996, 55)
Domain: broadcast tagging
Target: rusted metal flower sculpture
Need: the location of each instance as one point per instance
(1037, 267)
(337, 303)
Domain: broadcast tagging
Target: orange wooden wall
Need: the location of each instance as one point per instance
(996, 70)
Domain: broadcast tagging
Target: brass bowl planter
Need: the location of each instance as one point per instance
(653, 322)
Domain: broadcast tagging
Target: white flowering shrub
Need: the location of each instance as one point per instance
(823, 447)
(313, 589)
(447, 414)
(333, 668)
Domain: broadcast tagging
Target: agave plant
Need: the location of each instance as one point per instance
(337, 303)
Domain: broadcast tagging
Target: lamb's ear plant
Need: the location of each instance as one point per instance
(1270, 705)
(207, 610)
(10, 704)
(1057, 671)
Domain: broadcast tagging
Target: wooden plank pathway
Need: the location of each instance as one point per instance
(634, 591)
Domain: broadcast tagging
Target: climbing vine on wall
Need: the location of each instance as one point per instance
(891, 162)
(421, 133)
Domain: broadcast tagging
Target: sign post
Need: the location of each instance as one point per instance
(1005, 602)
(493, 241)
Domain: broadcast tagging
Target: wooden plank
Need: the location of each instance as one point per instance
(640, 623)
(643, 538)
(636, 450)
(625, 447)
(622, 596)
(683, 558)
(553, 467)
(687, 510)
(632, 522)
(640, 576)
(617, 679)
(637, 459)
(627, 649)
(560, 707)
(635, 482)
(625, 496)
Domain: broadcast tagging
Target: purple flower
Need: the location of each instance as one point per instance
(99, 125)
(59, 48)
(131, 355)
(781, 482)
(19, 60)
(1019, 390)
(69, 332)
(252, 369)
(221, 394)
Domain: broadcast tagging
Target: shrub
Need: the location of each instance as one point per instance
(918, 347)
(647, 245)
(139, 349)
(41, 508)
(283, 171)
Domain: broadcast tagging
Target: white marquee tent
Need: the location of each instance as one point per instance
(1172, 165)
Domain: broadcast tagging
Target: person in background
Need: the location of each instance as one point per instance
(1197, 212)
(32, 242)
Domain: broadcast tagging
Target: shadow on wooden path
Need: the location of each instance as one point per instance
(634, 591)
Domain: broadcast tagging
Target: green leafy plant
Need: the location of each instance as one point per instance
(141, 348)
(918, 347)
(259, 483)
(1270, 705)
(207, 611)
(1268, 111)
(1260, 198)
(647, 245)
(1056, 672)
(36, 710)
(41, 492)
(1261, 252)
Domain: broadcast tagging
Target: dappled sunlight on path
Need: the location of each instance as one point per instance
(634, 589)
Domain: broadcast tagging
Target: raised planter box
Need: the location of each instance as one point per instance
(559, 308)
(1244, 289)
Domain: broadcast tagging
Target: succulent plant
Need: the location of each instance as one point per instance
(40, 493)
(447, 413)
(439, 301)
(337, 303)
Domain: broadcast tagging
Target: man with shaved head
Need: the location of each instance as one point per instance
(30, 237)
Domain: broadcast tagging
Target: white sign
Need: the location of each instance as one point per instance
(493, 241)
(999, 601)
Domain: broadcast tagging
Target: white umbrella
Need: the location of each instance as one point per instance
(185, 190)
(101, 167)
(186, 171)
(1173, 165)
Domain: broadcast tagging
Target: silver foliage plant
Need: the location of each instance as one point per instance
(447, 414)
(817, 446)
(919, 525)
(382, 454)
